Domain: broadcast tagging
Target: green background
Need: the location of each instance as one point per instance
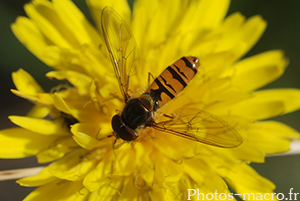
(283, 32)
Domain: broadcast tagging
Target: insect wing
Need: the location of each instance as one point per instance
(199, 125)
(121, 46)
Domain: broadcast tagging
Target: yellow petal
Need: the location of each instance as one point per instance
(60, 104)
(164, 15)
(76, 22)
(19, 143)
(129, 191)
(87, 60)
(66, 59)
(60, 58)
(57, 150)
(99, 176)
(25, 82)
(268, 103)
(216, 64)
(275, 128)
(251, 31)
(249, 152)
(79, 107)
(289, 97)
(143, 12)
(267, 144)
(237, 35)
(259, 70)
(39, 111)
(157, 194)
(203, 173)
(94, 179)
(41, 178)
(232, 24)
(210, 13)
(96, 131)
(226, 39)
(42, 13)
(270, 137)
(121, 6)
(234, 37)
(81, 81)
(257, 110)
(64, 190)
(146, 174)
(30, 35)
(107, 191)
(89, 143)
(88, 128)
(144, 160)
(243, 179)
(125, 160)
(41, 126)
(216, 96)
(42, 98)
(72, 167)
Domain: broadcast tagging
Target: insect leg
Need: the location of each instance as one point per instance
(149, 78)
(170, 117)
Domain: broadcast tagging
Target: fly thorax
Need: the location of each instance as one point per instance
(147, 101)
(135, 114)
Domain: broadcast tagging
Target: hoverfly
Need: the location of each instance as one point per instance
(139, 113)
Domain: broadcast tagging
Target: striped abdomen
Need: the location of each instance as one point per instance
(173, 80)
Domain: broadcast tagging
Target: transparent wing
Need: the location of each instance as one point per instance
(121, 46)
(201, 126)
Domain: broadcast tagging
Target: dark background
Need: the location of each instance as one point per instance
(283, 32)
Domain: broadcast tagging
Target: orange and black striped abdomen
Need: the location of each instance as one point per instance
(173, 80)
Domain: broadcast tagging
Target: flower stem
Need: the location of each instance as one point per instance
(19, 173)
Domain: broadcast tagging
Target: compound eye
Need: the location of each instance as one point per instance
(121, 130)
(127, 133)
(116, 122)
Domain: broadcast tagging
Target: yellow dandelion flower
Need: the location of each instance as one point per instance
(70, 127)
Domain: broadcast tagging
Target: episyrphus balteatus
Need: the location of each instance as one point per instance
(139, 113)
